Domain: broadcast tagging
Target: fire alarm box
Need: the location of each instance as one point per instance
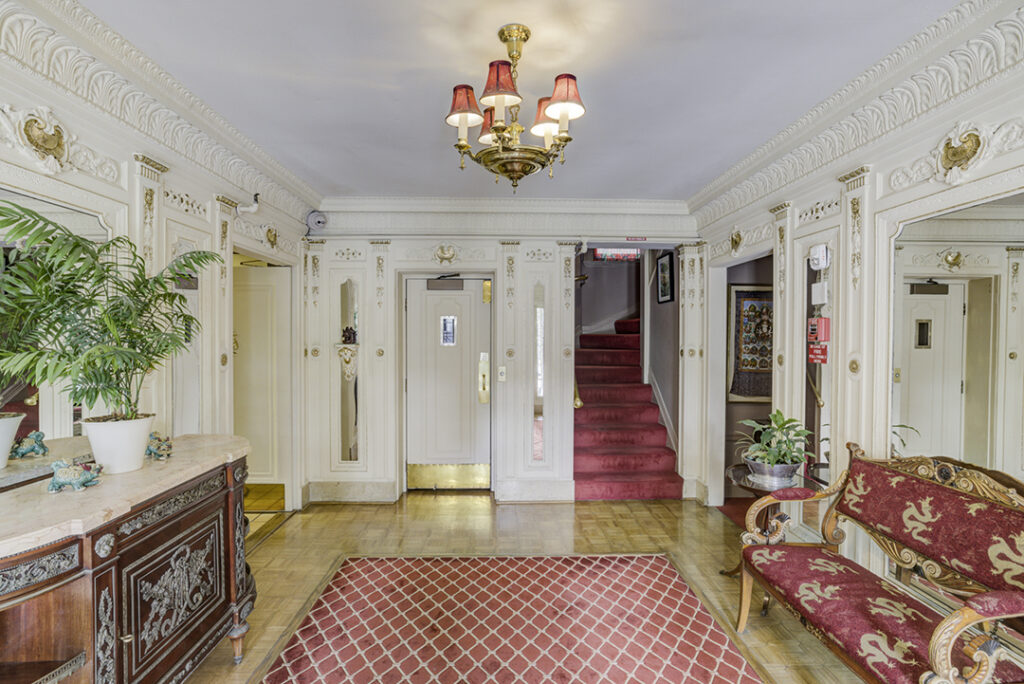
(819, 329)
(817, 353)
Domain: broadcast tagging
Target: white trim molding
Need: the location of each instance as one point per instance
(39, 47)
(961, 70)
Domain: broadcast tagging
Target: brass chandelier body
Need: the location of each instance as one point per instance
(507, 156)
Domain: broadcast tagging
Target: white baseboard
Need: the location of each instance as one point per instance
(666, 419)
(369, 492)
(519, 491)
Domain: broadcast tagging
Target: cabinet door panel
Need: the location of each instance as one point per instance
(174, 590)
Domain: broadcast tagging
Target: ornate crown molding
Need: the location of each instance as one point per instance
(38, 47)
(972, 63)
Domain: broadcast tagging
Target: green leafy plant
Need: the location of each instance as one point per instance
(97, 319)
(781, 440)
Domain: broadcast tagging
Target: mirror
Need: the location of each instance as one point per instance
(538, 372)
(957, 382)
(347, 352)
(62, 421)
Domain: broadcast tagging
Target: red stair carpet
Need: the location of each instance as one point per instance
(534, 620)
(620, 450)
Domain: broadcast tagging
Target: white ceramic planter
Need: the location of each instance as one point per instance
(119, 445)
(9, 423)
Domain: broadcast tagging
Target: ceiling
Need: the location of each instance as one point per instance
(352, 95)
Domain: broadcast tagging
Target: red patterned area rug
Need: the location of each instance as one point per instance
(509, 619)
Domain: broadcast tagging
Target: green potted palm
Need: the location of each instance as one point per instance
(101, 324)
(775, 450)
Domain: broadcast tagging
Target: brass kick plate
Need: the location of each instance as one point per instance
(460, 476)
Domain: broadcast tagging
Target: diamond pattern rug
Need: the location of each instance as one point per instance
(509, 619)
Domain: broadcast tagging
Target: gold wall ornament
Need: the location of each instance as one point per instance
(445, 254)
(271, 237)
(234, 343)
(150, 162)
(951, 260)
(223, 359)
(380, 351)
(854, 366)
(735, 241)
(48, 141)
(349, 355)
(959, 156)
(223, 236)
(314, 352)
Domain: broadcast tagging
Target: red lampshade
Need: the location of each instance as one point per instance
(500, 82)
(486, 137)
(543, 123)
(464, 102)
(566, 98)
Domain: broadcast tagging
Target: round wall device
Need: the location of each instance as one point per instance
(316, 220)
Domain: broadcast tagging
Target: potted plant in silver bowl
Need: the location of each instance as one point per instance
(101, 324)
(775, 450)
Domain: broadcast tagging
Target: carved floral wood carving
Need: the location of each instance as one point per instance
(179, 593)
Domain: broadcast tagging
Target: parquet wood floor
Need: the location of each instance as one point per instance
(293, 563)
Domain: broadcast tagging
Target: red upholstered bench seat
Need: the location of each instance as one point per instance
(885, 630)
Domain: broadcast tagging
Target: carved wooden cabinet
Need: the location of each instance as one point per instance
(143, 597)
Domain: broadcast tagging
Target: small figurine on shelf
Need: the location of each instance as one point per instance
(31, 445)
(78, 476)
(348, 335)
(159, 448)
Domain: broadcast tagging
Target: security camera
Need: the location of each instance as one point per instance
(316, 220)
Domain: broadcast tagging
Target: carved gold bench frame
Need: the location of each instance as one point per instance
(983, 649)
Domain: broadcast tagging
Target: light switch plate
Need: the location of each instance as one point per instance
(501, 374)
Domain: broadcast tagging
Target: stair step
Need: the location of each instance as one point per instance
(621, 434)
(609, 374)
(608, 357)
(599, 486)
(611, 460)
(600, 393)
(627, 325)
(597, 414)
(609, 341)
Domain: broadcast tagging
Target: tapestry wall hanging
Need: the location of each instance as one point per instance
(750, 342)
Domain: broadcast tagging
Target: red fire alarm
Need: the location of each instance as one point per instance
(819, 329)
(817, 353)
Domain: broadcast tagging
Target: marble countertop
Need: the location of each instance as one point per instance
(31, 517)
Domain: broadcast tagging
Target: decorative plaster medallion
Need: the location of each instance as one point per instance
(539, 255)
(41, 138)
(962, 151)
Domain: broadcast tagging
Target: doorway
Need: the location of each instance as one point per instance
(261, 344)
(448, 382)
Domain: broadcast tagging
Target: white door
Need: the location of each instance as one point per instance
(932, 375)
(262, 385)
(448, 374)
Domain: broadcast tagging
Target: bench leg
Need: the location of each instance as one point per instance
(746, 589)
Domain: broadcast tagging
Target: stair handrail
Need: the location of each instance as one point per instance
(577, 402)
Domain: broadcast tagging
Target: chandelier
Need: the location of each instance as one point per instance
(503, 153)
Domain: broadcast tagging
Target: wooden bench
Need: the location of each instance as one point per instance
(957, 526)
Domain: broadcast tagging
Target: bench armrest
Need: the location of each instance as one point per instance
(775, 532)
(985, 651)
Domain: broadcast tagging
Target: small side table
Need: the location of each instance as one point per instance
(740, 476)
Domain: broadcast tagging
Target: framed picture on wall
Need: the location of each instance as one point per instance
(751, 322)
(666, 279)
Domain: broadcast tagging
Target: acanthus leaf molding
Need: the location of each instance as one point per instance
(994, 51)
(42, 139)
(28, 41)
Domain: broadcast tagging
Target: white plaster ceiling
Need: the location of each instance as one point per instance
(351, 95)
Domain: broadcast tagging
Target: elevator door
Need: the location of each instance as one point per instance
(448, 380)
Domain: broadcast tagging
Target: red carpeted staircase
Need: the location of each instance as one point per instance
(620, 450)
